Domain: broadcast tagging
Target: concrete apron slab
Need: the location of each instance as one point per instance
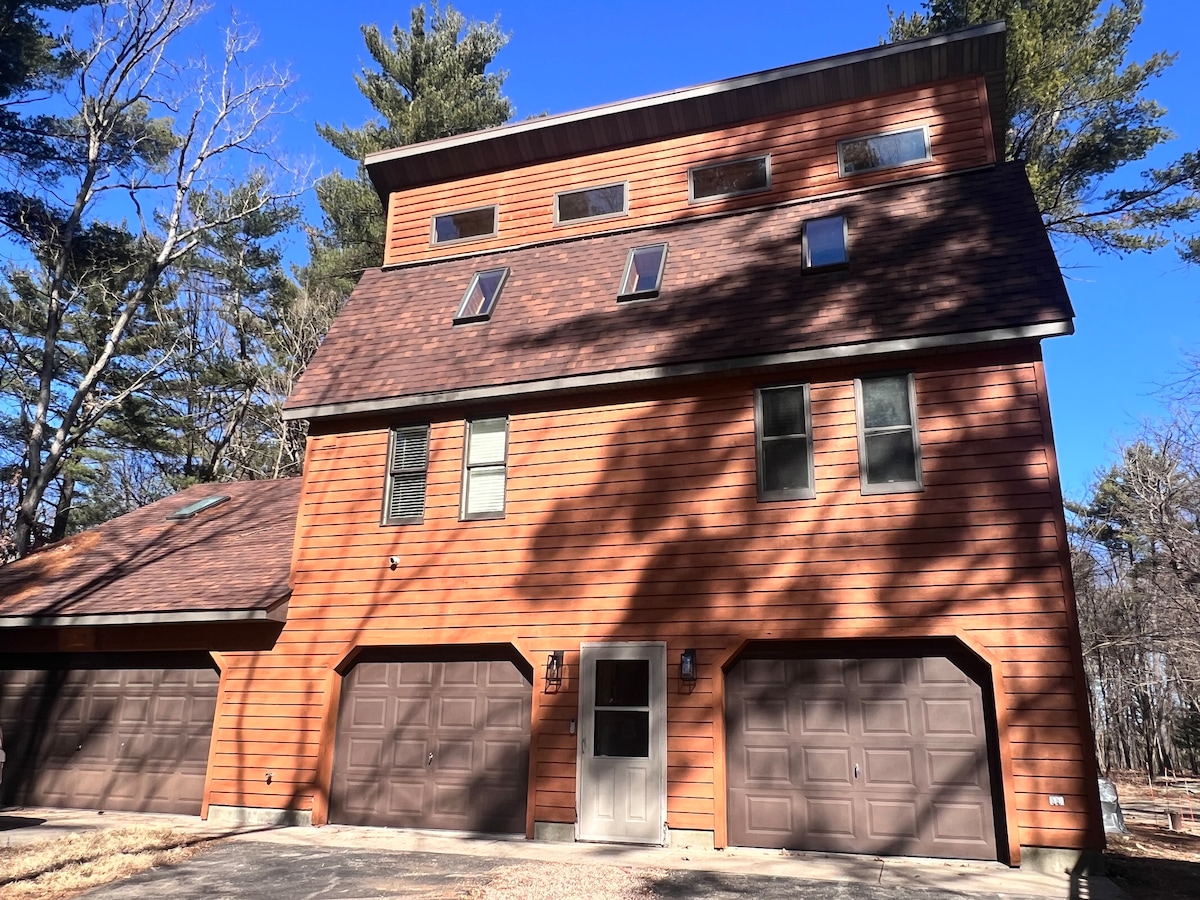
(25, 825)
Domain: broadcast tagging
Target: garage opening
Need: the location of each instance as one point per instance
(122, 731)
(434, 738)
(884, 748)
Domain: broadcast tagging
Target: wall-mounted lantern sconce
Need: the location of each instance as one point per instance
(554, 667)
(687, 667)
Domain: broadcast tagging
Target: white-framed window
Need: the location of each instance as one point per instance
(729, 179)
(591, 203)
(643, 272)
(885, 150)
(825, 242)
(408, 472)
(481, 296)
(889, 448)
(464, 225)
(783, 435)
(485, 468)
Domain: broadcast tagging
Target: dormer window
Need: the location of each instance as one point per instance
(465, 225)
(481, 296)
(643, 272)
(590, 203)
(825, 242)
(728, 179)
(883, 151)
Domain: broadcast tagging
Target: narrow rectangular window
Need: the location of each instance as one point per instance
(590, 203)
(784, 438)
(889, 450)
(728, 179)
(408, 467)
(825, 242)
(464, 225)
(883, 151)
(481, 296)
(643, 272)
(484, 468)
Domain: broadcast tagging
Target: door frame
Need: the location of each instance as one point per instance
(656, 652)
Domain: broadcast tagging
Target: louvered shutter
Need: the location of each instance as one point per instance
(407, 473)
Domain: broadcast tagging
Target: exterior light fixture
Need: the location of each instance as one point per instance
(554, 667)
(687, 667)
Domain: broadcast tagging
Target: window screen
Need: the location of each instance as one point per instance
(484, 468)
(589, 203)
(889, 452)
(785, 469)
(460, 226)
(408, 466)
(883, 151)
(741, 176)
(643, 271)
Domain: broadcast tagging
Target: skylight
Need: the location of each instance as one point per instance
(481, 296)
(825, 242)
(199, 506)
(643, 272)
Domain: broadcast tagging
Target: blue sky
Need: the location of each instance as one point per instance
(1138, 318)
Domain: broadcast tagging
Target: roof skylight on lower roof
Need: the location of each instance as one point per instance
(481, 296)
(198, 506)
(643, 272)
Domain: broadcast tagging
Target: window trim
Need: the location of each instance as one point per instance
(390, 473)
(662, 267)
(459, 318)
(433, 237)
(894, 487)
(760, 439)
(463, 515)
(624, 211)
(692, 198)
(806, 263)
(928, 157)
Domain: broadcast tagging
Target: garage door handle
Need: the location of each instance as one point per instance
(856, 770)
(429, 761)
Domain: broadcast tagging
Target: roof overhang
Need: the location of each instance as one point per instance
(978, 50)
(277, 612)
(927, 344)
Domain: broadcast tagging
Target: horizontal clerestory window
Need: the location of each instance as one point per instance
(883, 151)
(590, 203)
(465, 225)
(728, 179)
(408, 467)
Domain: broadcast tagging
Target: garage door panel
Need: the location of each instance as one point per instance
(460, 733)
(875, 756)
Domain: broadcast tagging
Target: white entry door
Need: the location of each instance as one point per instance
(623, 742)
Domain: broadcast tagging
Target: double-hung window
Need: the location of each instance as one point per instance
(485, 464)
(784, 439)
(889, 451)
(408, 468)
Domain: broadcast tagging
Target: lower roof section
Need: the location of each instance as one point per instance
(948, 261)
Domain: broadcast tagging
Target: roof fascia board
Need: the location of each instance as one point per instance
(276, 613)
(684, 370)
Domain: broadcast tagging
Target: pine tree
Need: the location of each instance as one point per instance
(1078, 113)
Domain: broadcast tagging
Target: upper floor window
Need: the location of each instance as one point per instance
(889, 452)
(464, 225)
(484, 468)
(727, 179)
(408, 467)
(883, 151)
(643, 272)
(784, 443)
(481, 296)
(590, 203)
(825, 242)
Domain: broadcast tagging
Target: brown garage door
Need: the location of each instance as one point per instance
(120, 733)
(859, 756)
(441, 744)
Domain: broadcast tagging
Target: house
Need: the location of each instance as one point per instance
(685, 475)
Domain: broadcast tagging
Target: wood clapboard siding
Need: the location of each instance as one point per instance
(803, 148)
(632, 515)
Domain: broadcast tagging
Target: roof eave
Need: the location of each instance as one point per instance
(275, 612)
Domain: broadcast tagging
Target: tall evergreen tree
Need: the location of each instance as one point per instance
(1078, 113)
(431, 82)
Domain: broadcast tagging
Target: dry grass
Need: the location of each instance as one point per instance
(62, 867)
(567, 881)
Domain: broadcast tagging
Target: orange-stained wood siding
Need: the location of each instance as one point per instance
(632, 515)
(803, 148)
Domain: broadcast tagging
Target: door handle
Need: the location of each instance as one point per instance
(856, 770)
(429, 761)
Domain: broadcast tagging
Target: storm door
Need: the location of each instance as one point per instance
(623, 742)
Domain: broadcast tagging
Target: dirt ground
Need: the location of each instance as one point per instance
(1153, 862)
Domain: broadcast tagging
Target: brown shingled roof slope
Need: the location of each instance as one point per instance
(956, 254)
(234, 557)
